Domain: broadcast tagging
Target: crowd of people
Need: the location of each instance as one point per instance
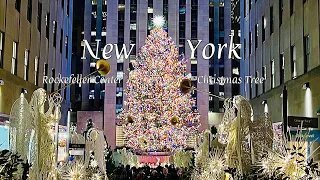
(146, 173)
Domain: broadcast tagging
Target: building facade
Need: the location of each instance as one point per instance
(280, 43)
(129, 22)
(35, 41)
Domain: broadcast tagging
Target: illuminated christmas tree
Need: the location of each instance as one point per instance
(158, 117)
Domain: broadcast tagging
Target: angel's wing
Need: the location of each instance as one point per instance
(20, 127)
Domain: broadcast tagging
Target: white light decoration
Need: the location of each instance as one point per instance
(158, 21)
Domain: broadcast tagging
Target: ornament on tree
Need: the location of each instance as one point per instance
(129, 119)
(154, 98)
(174, 120)
(185, 86)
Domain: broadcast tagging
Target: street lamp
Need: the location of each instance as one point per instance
(24, 91)
(306, 85)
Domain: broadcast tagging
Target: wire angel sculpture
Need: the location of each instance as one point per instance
(31, 131)
(234, 132)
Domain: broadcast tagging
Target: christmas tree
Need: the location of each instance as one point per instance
(159, 117)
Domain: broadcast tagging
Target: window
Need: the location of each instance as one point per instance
(18, 5)
(39, 16)
(244, 48)
(221, 18)
(47, 25)
(250, 43)
(66, 45)
(271, 20)
(263, 21)
(293, 62)
(53, 75)
(281, 61)
(306, 48)
(256, 35)
(36, 71)
(291, 7)
(245, 8)
(221, 108)
(45, 73)
(256, 84)
(119, 66)
(250, 4)
(29, 12)
(61, 40)
(272, 74)
(280, 11)
(14, 59)
(1, 48)
(264, 75)
(62, 3)
(26, 64)
(67, 8)
(54, 33)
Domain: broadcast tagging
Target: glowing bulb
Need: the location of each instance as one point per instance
(158, 21)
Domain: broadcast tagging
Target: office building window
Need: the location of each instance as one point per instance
(271, 20)
(29, 12)
(45, 73)
(26, 65)
(47, 25)
(18, 5)
(250, 43)
(121, 14)
(221, 18)
(36, 71)
(182, 24)
(194, 19)
(39, 15)
(61, 40)
(165, 12)
(263, 21)
(66, 46)
(264, 75)
(54, 33)
(281, 66)
(280, 11)
(67, 8)
(272, 74)
(14, 59)
(119, 66)
(256, 35)
(306, 48)
(194, 69)
(245, 8)
(244, 48)
(221, 108)
(53, 75)
(1, 48)
(293, 62)
(250, 90)
(256, 84)
(291, 7)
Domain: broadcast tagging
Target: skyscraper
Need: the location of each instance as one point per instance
(35, 41)
(281, 45)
